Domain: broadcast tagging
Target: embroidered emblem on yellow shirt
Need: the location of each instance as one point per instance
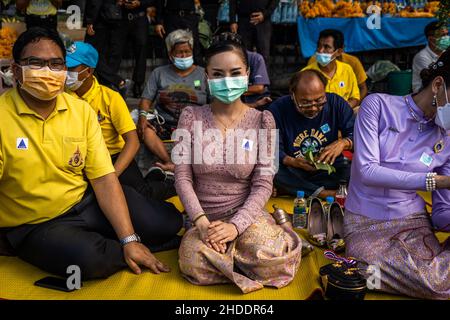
(77, 158)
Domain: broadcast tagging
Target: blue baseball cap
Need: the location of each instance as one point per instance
(81, 53)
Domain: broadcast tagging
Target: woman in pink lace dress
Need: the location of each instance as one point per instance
(224, 172)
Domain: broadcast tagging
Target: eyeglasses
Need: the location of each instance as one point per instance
(55, 64)
(309, 104)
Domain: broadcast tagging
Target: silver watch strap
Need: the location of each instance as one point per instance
(132, 238)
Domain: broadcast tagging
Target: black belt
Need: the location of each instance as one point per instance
(182, 13)
(42, 17)
(132, 16)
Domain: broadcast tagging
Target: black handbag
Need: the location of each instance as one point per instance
(342, 282)
(111, 12)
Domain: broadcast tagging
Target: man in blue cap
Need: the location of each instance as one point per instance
(118, 128)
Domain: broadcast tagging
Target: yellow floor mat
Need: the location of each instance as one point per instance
(17, 278)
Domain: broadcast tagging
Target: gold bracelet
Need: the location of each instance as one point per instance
(198, 217)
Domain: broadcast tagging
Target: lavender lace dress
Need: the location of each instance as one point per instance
(226, 189)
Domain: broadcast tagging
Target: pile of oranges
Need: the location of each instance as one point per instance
(328, 9)
(356, 9)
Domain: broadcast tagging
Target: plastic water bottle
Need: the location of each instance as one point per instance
(341, 194)
(299, 218)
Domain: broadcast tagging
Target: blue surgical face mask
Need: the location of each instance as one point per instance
(228, 89)
(183, 63)
(324, 59)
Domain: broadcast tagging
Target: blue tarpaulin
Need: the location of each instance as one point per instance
(394, 33)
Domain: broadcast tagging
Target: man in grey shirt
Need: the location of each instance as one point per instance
(170, 92)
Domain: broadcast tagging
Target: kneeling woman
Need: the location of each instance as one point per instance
(234, 238)
(402, 145)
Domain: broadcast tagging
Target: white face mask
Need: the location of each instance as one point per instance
(442, 118)
(72, 82)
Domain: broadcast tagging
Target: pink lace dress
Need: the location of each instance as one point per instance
(230, 179)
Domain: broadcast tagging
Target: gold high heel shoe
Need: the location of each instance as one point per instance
(335, 228)
(317, 224)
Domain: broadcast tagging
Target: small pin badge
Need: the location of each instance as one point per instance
(247, 145)
(22, 143)
(325, 128)
(426, 159)
(439, 146)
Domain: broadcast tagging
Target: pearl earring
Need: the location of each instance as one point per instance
(434, 103)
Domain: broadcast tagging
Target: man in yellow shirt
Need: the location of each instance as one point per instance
(358, 69)
(40, 13)
(50, 141)
(118, 128)
(341, 77)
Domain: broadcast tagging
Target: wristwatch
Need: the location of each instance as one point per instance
(133, 238)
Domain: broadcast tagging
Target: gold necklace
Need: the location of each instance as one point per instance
(232, 122)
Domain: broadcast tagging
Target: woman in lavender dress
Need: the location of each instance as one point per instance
(224, 172)
(402, 145)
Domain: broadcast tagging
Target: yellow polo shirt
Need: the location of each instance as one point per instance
(343, 82)
(42, 162)
(354, 62)
(112, 114)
